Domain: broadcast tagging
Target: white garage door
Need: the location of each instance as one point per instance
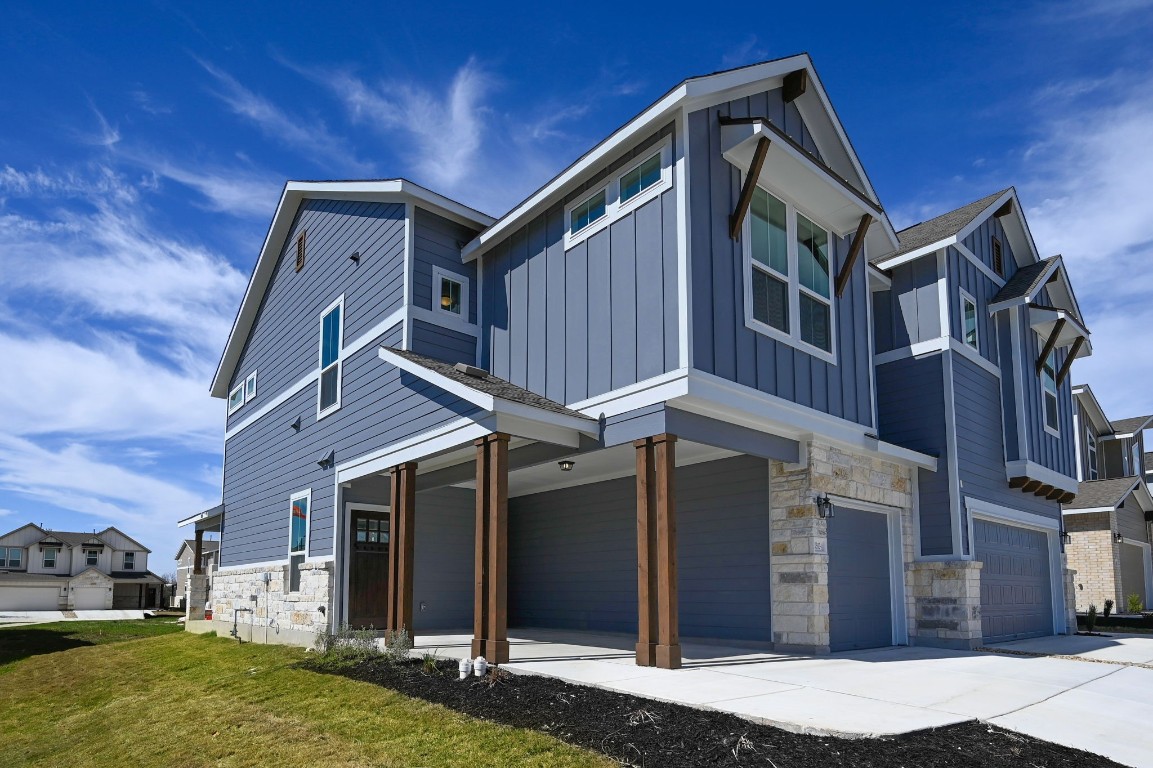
(89, 598)
(29, 599)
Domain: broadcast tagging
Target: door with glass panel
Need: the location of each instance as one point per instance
(368, 569)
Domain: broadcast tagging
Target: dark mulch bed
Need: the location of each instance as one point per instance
(652, 734)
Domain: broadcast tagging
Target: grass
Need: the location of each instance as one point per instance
(32, 640)
(190, 700)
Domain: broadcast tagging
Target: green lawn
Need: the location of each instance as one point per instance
(188, 700)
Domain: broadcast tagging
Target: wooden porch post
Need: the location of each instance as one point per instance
(402, 511)
(658, 636)
(197, 570)
(490, 614)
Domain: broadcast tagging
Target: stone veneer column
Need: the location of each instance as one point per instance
(946, 598)
(196, 593)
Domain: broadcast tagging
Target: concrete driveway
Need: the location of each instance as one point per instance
(1099, 698)
(40, 617)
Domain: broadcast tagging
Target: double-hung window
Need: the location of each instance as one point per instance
(1091, 450)
(129, 561)
(330, 344)
(11, 557)
(789, 292)
(91, 557)
(297, 537)
(50, 557)
(969, 333)
(1049, 391)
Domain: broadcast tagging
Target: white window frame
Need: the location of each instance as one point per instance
(1136, 458)
(250, 387)
(1054, 431)
(1091, 455)
(439, 274)
(320, 414)
(966, 297)
(87, 554)
(124, 561)
(238, 403)
(8, 557)
(793, 336)
(614, 208)
(55, 557)
(306, 494)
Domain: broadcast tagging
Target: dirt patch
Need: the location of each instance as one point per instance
(651, 734)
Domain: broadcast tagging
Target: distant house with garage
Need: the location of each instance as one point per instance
(44, 570)
(1110, 543)
(186, 565)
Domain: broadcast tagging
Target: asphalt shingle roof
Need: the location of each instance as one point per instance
(1092, 494)
(1024, 281)
(25, 576)
(487, 384)
(941, 227)
(209, 545)
(1131, 425)
(73, 538)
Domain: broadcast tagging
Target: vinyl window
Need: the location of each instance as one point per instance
(328, 397)
(235, 399)
(299, 507)
(640, 178)
(969, 331)
(632, 184)
(451, 294)
(250, 387)
(50, 557)
(91, 557)
(129, 561)
(788, 275)
(12, 557)
(1049, 392)
(588, 212)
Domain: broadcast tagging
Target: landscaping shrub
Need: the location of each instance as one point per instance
(1135, 604)
(346, 645)
(397, 644)
(1091, 618)
(1108, 609)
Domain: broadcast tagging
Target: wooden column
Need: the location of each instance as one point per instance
(402, 525)
(198, 552)
(490, 616)
(658, 636)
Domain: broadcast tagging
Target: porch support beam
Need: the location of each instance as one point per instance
(490, 612)
(1068, 364)
(658, 636)
(737, 220)
(198, 553)
(402, 511)
(1049, 344)
(854, 251)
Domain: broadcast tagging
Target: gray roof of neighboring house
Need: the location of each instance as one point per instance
(73, 538)
(1024, 281)
(208, 545)
(943, 226)
(25, 576)
(136, 575)
(1093, 494)
(1132, 425)
(487, 384)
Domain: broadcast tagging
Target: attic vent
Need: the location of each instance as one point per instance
(469, 370)
(998, 260)
(300, 239)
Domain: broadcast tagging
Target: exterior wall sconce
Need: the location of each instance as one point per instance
(824, 506)
(1117, 537)
(1066, 539)
(296, 424)
(355, 256)
(327, 460)
(566, 465)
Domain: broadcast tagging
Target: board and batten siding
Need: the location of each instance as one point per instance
(909, 312)
(283, 345)
(573, 556)
(964, 275)
(911, 411)
(436, 243)
(269, 461)
(721, 342)
(1056, 452)
(575, 324)
(1131, 522)
(980, 242)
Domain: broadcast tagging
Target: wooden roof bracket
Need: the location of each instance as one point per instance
(854, 251)
(794, 85)
(1065, 366)
(737, 220)
(1049, 344)
(1004, 210)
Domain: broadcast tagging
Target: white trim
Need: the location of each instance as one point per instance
(439, 274)
(964, 296)
(628, 398)
(955, 516)
(684, 227)
(1035, 471)
(441, 319)
(943, 294)
(1018, 385)
(595, 225)
(919, 349)
(250, 379)
(339, 363)
(306, 494)
(980, 265)
(663, 147)
(451, 435)
(1021, 300)
(409, 264)
(970, 354)
(1087, 511)
(1045, 393)
(232, 393)
(873, 407)
(897, 605)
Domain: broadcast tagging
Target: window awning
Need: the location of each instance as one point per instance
(805, 180)
(1044, 319)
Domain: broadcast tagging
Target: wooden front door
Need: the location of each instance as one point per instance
(368, 569)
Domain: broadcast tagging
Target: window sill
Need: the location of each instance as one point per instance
(765, 329)
(1055, 433)
(327, 411)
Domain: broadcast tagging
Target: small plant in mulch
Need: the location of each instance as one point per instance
(1135, 604)
(1108, 609)
(397, 644)
(345, 645)
(1091, 619)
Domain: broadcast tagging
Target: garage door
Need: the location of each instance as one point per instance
(89, 598)
(1132, 575)
(1016, 597)
(29, 599)
(860, 592)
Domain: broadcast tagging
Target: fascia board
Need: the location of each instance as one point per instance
(1087, 511)
(1089, 400)
(924, 250)
(980, 218)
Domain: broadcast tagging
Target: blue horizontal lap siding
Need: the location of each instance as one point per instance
(269, 461)
(436, 243)
(283, 343)
(574, 324)
(911, 411)
(442, 343)
(722, 344)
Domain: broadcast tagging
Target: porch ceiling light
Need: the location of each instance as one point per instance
(566, 465)
(824, 506)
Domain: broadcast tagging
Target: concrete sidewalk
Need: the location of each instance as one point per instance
(1099, 707)
(8, 618)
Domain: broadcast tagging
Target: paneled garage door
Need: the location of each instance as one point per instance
(29, 598)
(860, 597)
(89, 598)
(1016, 596)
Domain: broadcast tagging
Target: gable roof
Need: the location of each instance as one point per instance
(696, 93)
(1088, 399)
(79, 538)
(1131, 426)
(1026, 281)
(291, 198)
(941, 227)
(17, 530)
(206, 546)
(1102, 494)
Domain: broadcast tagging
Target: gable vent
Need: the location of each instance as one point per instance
(998, 259)
(300, 240)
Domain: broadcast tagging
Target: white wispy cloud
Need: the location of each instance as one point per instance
(310, 135)
(239, 191)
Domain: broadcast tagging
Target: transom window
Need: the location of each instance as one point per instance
(789, 286)
(235, 399)
(645, 175)
(91, 557)
(639, 180)
(591, 210)
(969, 333)
(371, 530)
(330, 343)
(50, 557)
(1049, 391)
(1091, 444)
(12, 557)
(297, 537)
(129, 561)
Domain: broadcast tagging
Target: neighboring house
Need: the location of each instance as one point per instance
(185, 557)
(975, 336)
(1149, 471)
(1108, 523)
(42, 570)
(441, 421)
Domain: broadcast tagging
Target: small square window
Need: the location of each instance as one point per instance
(591, 210)
(450, 295)
(235, 399)
(250, 388)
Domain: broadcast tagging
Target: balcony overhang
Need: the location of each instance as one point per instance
(805, 180)
(1031, 477)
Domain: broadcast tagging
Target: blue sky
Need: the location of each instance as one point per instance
(142, 154)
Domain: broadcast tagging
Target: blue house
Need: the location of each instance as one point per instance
(975, 337)
(643, 401)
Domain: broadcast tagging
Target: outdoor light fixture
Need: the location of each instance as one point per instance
(327, 460)
(566, 465)
(824, 506)
(1117, 537)
(355, 256)
(296, 424)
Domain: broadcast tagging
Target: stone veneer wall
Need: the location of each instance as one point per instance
(800, 560)
(946, 597)
(1096, 559)
(276, 616)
